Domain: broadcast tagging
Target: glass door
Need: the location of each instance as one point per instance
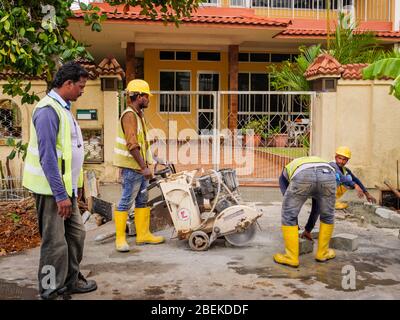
(207, 81)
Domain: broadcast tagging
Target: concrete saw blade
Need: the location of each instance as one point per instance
(241, 238)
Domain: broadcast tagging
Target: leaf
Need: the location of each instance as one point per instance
(10, 142)
(66, 54)
(4, 18)
(96, 27)
(83, 6)
(383, 68)
(11, 155)
(7, 25)
(12, 57)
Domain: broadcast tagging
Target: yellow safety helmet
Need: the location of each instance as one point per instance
(138, 85)
(344, 151)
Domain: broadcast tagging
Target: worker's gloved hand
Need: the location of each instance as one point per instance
(64, 208)
(147, 173)
(360, 193)
(370, 198)
(306, 235)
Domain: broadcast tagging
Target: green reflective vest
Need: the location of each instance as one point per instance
(34, 178)
(122, 157)
(292, 166)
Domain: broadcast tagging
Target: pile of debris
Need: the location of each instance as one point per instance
(18, 226)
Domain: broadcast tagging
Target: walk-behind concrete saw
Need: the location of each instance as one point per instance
(205, 208)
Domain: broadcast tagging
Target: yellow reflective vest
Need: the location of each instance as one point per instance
(122, 157)
(34, 178)
(291, 167)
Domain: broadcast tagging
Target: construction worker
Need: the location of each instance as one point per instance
(308, 177)
(53, 172)
(345, 180)
(132, 154)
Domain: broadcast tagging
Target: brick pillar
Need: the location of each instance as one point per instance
(233, 85)
(130, 61)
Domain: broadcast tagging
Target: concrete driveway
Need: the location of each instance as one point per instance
(172, 271)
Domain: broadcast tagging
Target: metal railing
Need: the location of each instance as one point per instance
(210, 136)
(11, 189)
(363, 10)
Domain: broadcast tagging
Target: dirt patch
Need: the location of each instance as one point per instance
(18, 226)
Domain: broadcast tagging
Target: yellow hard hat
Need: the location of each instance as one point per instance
(344, 151)
(138, 85)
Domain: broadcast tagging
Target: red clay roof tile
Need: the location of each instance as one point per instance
(353, 71)
(110, 66)
(324, 65)
(232, 16)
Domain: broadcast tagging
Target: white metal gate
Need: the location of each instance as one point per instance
(255, 132)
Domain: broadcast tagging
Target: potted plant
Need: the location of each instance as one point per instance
(276, 138)
(259, 128)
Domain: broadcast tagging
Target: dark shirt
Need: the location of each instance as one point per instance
(349, 180)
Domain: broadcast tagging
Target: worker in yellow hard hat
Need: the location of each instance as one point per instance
(133, 155)
(345, 180)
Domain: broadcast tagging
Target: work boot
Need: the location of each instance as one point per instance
(291, 239)
(324, 253)
(120, 218)
(142, 224)
(340, 205)
(82, 285)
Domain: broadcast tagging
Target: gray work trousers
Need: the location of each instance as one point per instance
(316, 182)
(61, 250)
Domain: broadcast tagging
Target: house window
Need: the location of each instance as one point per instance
(175, 81)
(280, 57)
(10, 120)
(208, 56)
(175, 55)
(210, 3)
(240, 3)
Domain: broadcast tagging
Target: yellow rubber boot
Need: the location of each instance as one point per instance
(120, 218)
(142, 224)
(291, 239)
(340, 191)
(340, 205)
(324, 253)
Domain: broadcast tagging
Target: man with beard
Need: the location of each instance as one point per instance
(133, 155)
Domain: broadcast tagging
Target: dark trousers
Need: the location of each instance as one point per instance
(62, 244)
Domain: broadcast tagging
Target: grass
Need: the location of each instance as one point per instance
(286, 152)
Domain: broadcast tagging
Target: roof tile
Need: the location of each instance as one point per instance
(201, 16)
(324, 65)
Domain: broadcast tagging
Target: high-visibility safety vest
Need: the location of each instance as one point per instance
(296, 163)
(122, 157)
(34, 178)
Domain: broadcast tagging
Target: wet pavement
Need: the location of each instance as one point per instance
(172, 271)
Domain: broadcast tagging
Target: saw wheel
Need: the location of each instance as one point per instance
(199, 241)
(239, 239)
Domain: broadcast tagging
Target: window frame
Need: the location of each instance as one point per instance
(190, 89)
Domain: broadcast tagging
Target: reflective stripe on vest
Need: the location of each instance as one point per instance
(122, 157)
(296, 163)
(34, 178)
